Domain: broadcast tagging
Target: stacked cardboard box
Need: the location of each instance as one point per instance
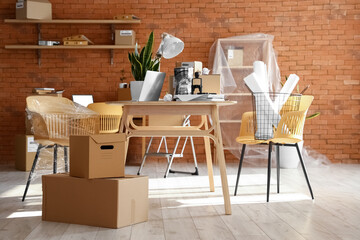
(33, 9)
(77, 40)
(97, 192)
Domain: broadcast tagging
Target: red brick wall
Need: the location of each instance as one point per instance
(318, 40)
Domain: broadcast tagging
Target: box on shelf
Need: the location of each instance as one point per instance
(25, 150)
(123, 94)
(77, 38)
(110, 202)
(124, 37)
(235, 57)
(211, 83)
(33, 9)
(97, 156)
(76, 43)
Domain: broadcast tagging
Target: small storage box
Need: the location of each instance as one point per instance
(97, 156)
(111, 202)
(33, 9)
(124, 37)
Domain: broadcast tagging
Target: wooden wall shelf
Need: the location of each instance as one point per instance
(75, 21)
(38, 48)
(70, 47)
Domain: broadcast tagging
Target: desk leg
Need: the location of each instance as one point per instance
(221, 159)
(208, 157)
(125, 119)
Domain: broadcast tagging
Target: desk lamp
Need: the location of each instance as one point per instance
(170, 46)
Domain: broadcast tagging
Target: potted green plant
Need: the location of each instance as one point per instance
(140, 63)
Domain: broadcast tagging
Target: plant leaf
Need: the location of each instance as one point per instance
(313, 115)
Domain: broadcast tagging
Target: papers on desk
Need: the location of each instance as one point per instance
(199, 97)
(268, 105)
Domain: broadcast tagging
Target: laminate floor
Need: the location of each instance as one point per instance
(181, 207)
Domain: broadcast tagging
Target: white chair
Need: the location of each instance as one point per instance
(170, 155)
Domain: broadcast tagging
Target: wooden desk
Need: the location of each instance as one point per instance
(182, 108)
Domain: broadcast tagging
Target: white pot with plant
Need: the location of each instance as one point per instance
(140, 63)
(289, 157)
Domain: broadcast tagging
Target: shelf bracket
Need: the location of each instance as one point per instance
(39, 31)
(112, 56)
(113, 32)
(38, 52)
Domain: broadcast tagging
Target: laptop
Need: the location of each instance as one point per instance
(152, 86)
(83, 100)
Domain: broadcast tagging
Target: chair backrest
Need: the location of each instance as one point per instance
(110, 116)
(247, 124)
(49, 104)
(291, 126)
(54, 119)
(305, 102)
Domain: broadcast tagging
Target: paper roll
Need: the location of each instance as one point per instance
(261, 71)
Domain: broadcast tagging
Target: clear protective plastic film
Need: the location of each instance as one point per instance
(233, 58)
(53, 120)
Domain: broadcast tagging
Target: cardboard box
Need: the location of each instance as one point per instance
(76, 43)
(111, 202)
(211, 83)
(33, 9)
(25, 151)
(77, 38)
(124, 94)
(97, 156)
(235, 57)
(124, 37)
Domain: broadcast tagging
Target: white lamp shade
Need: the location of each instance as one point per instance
(170, 46)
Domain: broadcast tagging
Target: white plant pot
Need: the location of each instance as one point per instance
(289, 157)
(135, 89)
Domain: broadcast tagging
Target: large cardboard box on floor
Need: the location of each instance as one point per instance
(110, 202)
(33, 9)
(124, 37)
(25, 150)
(97, 156)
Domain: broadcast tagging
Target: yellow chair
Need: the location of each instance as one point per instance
(288, 133)
(110, 116)
(53, 120)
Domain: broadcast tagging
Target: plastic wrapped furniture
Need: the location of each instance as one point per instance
(288, 133)
(110, 116)
(53, 120)
(170, 156)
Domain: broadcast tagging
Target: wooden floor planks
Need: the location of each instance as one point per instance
(182, 207)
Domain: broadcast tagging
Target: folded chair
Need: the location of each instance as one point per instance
(170, 155)
(288, 133)
(53, 120)
(110, 116)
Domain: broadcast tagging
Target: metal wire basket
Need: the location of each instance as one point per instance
(268, 108)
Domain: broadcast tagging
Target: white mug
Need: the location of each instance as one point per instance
(123, 85)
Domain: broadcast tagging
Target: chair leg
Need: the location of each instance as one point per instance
(304, 170)
(269, 173)
(239, 169)
(278, 167)
(55, 159)
(66, 160)
(32, 171)
(144, 158)
(194, 156)
(172, 158)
